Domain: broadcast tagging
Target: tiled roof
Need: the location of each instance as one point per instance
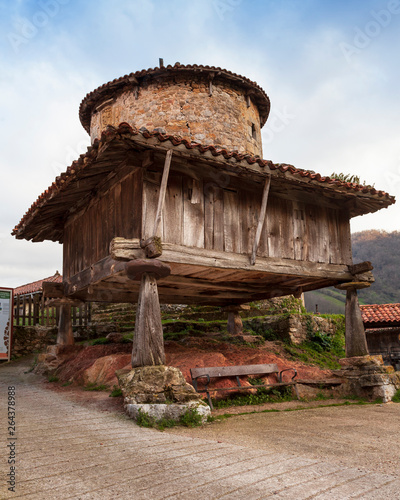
(93, 98)
(380, 313)
(36, 286)
(125, 131)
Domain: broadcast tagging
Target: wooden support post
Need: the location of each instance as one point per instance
(148, 342)
(153, 245)
(261, 219)
(356, 343)
(65, 335)
(36, 300)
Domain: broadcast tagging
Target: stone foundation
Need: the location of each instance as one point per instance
(168, 411)
(367, 376)
(159, 391)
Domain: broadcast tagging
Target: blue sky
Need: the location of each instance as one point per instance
(330, 69)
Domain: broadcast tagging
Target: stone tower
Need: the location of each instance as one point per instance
(201, 104)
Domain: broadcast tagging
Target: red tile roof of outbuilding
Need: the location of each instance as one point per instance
(36, 286)
(380, 313)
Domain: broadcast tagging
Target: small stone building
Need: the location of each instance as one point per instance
(382, 329)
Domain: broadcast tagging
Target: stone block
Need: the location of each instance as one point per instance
(115, 337)
(249, 339)
(374, 380)
(384, 392)
(361, 361)
(167, 411)
(155, 384)
(53, 349)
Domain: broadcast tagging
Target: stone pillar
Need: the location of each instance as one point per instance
(148, 341)
(65, 335)
(235, 323)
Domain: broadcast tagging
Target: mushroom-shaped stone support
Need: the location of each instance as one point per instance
(235, 323)
(148, 342)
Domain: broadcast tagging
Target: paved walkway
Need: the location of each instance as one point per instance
(67, 451)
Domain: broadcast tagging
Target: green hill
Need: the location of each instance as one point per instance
(383, 250)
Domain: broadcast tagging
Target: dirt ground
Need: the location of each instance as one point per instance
(364, 436)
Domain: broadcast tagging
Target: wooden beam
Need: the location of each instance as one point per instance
(261, 219)
(163, 189)
(52, 290)
(360, 268)
(90, 276)
(124, 249)
(64, 301)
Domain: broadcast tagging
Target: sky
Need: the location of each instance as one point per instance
(329, 67)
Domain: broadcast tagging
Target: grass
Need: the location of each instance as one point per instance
(104, 340)
(116, 392)
(52, 378)
(263, 395)
(320, 349)
(66, 384)
(190, 418)
(92, 386)
(359, 402)
(306, 353)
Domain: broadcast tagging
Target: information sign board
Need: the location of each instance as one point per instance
(6, 322)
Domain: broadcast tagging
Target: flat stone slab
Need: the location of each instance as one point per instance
(169, 411)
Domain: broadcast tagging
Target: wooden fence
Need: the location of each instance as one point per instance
(30, 310)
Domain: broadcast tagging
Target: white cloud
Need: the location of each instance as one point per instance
(345, 116)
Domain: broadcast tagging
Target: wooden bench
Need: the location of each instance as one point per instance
(209, 373)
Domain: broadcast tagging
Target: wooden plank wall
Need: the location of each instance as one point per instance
(199, 213)
(116, 213)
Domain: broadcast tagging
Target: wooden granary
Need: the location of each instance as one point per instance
(173, 198)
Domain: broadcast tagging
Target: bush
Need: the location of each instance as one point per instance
(191, 418)
(116, 392)
(396, 397)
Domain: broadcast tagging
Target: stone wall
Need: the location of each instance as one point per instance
(184, 107)
(30, 339)
(293, 327)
